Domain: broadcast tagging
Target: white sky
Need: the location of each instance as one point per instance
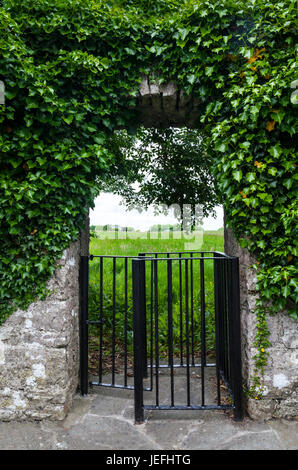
(108, 210)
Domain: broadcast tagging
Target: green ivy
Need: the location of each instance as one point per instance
(72, 70)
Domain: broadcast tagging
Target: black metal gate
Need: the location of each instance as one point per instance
(166, 325)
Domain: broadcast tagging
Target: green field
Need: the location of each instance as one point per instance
(113, 297)
(106, 245)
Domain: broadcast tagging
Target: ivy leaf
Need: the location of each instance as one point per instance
(183, 32)
(68, 119)
(251, 177)
(10, 94)
(191, 79)
(288, 183)
(286, 290)
(92, 128)
(237, 175)
(275, 151)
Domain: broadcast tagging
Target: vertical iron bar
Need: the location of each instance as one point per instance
(114, 321)
(203, 306)
(170, 327)
(229, 320)
(125, 322)
(203, 351)
(181, 311)
(169, 359)
(226, 295)
(217, 325)
(138, 360)
(84, 278)
(187, 333)
(100, 319)
(151, 326)
(191, 312)
(156, 332)
(143, 312)
(236, 340)
(221, 302)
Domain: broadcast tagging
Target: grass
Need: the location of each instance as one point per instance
(106, 245)
(114, 306)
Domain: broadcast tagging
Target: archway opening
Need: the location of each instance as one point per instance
(170, 171)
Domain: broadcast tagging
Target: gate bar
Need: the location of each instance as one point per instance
(203, 349)
(100, 320)
(155, 265)
(114, 322)
(84, 275)
(187, 334)
(170, 326)
(236, 341)
(125, 321)
(143, 312)
(137, 341)
(217, 316)
(181, 309)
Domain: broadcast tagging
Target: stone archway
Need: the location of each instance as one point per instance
(39, 348)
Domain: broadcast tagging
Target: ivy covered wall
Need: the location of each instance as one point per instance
(72, 70)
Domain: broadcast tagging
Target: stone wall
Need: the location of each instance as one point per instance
(281, 378)
(39, 348)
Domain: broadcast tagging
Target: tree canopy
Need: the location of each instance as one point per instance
(163, 167)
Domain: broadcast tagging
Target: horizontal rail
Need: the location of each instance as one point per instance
(190, 407)
(144, 258)
(166, 366)
(182, 252)
(102, 384)
(122, 387)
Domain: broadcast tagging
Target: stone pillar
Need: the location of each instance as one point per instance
(39, 348)
(281, 378)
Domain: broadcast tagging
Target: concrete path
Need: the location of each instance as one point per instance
(104, 421)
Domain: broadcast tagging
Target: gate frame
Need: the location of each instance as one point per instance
(139, 332)
(84, 353)
(234, 357)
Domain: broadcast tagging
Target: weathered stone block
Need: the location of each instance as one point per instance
(39, 359)
(281, 377)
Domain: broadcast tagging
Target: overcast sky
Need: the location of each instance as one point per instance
(108, 210)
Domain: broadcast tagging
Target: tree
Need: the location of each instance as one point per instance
(163, 168)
